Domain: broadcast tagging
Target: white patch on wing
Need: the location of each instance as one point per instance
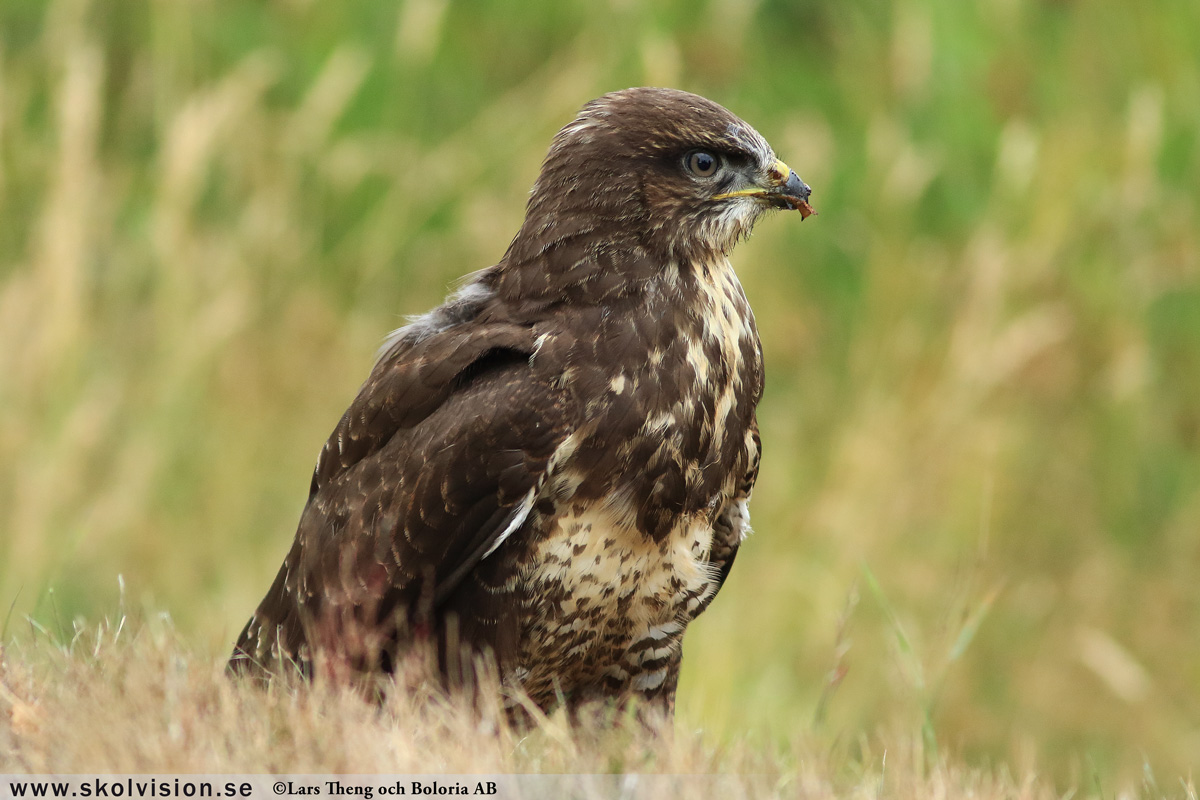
(459, 307)
(519, 516)
(561, 453)
(658, 423)
(564, 451)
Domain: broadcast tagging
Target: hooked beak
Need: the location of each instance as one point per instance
(784, 189)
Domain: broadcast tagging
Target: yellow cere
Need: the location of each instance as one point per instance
(781, 171)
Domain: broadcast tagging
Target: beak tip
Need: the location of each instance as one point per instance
(797, 188)
(797, 193)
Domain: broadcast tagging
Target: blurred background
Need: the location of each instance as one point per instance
(979, 510)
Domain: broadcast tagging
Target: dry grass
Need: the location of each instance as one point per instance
(979, 511)
(132, 698)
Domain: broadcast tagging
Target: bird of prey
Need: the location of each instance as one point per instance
(551, 470)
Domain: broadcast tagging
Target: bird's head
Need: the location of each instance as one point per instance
(673, 170)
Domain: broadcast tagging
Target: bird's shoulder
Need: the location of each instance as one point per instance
(438, 455)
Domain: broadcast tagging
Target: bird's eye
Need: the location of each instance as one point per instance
(702, 163)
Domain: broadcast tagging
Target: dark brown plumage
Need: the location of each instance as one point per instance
(553, 467)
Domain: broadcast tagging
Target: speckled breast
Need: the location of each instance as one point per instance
(609, 604)
(622, 562)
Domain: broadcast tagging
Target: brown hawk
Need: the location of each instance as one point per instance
(552, 469)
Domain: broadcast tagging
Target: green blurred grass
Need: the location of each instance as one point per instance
(983, 355)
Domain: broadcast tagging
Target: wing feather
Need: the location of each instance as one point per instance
(434, 465)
